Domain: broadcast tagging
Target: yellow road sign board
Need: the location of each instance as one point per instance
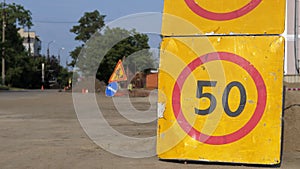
(118, 73)
(193, 17)
(223, 99)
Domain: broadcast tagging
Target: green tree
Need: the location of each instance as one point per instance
(111, 46)
(108, 45)
(89, 24)
(56, 76)
(16, 63)
(22, 70)
(133, 46)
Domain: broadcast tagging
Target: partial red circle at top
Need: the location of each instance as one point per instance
(222, 16)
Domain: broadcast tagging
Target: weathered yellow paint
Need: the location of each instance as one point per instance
(235, 16)
(262, 145)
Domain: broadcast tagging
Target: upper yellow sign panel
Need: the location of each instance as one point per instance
(198, 17)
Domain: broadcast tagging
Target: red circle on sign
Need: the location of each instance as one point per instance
(248, 127)
(222, 16)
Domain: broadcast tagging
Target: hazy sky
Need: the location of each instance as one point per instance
(54, 18)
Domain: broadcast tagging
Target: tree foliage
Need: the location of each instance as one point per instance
(103, 49)
(21, 70)
(15, 16)
(89, 24)
(130, 45)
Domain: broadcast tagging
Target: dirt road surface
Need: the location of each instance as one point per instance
(41, 130)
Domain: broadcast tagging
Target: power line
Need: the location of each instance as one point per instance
(56, 22)
(61, 22)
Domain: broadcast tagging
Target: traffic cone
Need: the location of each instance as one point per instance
(42, 88)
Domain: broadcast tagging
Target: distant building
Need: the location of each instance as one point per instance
(152, 81)
(32, 42)
(147, 79)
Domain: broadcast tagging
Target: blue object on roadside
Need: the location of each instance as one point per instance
(111, 89)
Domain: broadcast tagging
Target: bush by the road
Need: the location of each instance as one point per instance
(3, 87)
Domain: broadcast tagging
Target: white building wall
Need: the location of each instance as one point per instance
(290, 68)
(35, 43)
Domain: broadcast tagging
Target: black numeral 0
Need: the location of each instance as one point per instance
(213, 101)
(243, 99)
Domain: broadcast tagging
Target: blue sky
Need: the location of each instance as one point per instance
(54, 18)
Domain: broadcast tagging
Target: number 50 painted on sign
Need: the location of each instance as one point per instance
(213, 101)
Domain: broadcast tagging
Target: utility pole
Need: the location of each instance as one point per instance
(60, 49)
(296, 42)
(48, 50)
(58, 70)
(3, 41)
(28, 41)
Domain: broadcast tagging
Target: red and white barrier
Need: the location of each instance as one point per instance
(292, 89)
